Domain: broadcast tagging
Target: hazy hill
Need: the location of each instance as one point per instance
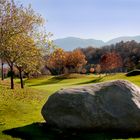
(124, 38)
(71, 43)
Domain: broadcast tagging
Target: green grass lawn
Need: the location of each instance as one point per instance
(52, 84)
(20, 109)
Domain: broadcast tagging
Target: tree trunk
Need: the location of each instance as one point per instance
(2, 72)
(12, 76)
(21, 78)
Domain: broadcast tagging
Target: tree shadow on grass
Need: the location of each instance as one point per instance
(91, 81)
(53, 80)
(41, 131)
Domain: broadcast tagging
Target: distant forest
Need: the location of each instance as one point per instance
(129, 52)
(119, 57)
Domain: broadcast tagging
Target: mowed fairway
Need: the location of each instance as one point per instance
(52, 84)
(20, 109)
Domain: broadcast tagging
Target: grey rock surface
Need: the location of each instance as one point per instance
(103, 106)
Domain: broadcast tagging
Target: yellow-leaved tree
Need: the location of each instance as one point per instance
(22, 36)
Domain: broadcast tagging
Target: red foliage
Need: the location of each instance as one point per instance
(110, 61)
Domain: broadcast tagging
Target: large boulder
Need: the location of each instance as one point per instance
(113, 105)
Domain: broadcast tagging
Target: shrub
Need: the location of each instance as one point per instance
(92, 70)
(133, 73)
(83, 71)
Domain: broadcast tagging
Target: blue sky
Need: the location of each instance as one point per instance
(99, 19)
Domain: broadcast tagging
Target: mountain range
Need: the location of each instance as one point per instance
(70, 43)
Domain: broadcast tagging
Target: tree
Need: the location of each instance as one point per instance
(57, 61)
(30, 57)
(98, 68)
(64, 62)
(2, 70)
(75, 60)
(127, 50)
(129, 64)
(111, 61)
(15, 23)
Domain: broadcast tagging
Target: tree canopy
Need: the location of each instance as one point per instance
(22, 37)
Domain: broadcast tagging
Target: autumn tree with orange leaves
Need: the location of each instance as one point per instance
(75, 60)
(110, 61)
(57, 61)
(60, 62)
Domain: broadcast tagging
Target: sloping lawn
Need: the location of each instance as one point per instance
(51, 84)
(20, 109)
